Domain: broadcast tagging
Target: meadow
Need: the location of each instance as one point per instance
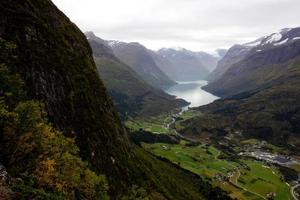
(242, 178)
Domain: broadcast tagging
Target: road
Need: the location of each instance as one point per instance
(293, 191)
(235, 182)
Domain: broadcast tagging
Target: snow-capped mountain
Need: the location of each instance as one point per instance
(139, 59)
(256, 64)
(185, 65)
(282, 37)
(238, 52)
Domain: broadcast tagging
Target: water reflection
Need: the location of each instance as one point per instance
(191, 91)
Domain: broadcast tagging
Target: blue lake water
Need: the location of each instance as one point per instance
(192, 92)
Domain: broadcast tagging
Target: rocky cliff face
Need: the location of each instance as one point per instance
(55, 61)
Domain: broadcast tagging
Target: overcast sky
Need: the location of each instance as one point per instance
(193, 24)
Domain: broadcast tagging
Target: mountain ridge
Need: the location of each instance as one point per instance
(255, 60)
(136, 56)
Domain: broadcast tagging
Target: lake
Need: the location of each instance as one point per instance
(192, 92)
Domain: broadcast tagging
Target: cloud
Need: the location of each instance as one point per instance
(193, 24)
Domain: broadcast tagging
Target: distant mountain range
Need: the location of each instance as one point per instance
(184, 65)
(136, 76)
(163, 67)
(132, 95)
(138, 58)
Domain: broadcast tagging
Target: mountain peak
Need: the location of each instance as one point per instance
(90, 34)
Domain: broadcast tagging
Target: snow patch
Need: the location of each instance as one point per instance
(296, 38)
(113, 43)
(274, 38)
(253, 44)
(282, 42)
(259, 50)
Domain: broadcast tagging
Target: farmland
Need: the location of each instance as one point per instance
(242, 178)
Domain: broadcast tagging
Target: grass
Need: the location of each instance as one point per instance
(151, 124)
(296, 167)
(255, 178)
(263, 180)
(158, 124)
(188, 114)
(146, 125)
(250, 141)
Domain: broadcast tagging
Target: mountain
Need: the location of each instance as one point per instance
(256, 64)
(184, 65)
(55, 61)
(137, 57)
(61, 137)
(260, 94)
(271, 113)
(130, 93)
(209, 61)
(234, 54)
(221, 53)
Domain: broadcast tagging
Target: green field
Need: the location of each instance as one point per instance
(158, 124)
(244, 179)
(263, 179)
(154, 124)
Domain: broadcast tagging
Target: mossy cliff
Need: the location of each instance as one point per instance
(56, 64)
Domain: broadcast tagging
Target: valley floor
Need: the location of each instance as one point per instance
(243, 174)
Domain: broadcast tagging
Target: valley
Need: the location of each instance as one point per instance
(245, 168)
(134, 116)
(241, 172)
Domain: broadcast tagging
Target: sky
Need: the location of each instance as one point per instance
(198, 25)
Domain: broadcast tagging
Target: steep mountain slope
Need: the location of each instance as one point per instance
(137, 56)
(184, 65)
(262, 95)
(131, 95)
(209, 61)
(233, 55)
(272, 113)
(263, 64)
(221, 53)
(52, 62)
(56, 64)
